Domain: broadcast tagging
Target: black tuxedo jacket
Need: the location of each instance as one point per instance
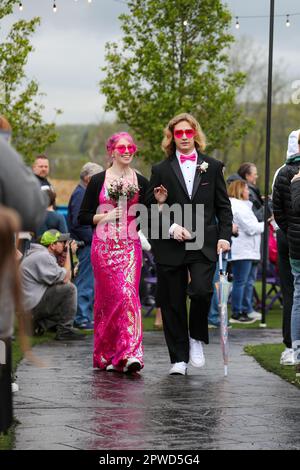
(210, 190)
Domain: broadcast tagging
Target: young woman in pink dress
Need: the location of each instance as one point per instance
(116, 257)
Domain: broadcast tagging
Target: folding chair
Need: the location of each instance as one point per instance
(150, 279)
(273, 292)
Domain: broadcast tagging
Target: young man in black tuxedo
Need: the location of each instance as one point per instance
(190, 179)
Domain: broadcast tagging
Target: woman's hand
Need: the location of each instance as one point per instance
(113, 215)
(160, 194)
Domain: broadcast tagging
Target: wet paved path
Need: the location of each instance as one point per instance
(68, 405)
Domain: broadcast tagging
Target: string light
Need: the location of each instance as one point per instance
(54, 7)
(21, 6)
(287, 16)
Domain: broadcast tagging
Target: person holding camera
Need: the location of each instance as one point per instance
(83, 234)
(47, 288)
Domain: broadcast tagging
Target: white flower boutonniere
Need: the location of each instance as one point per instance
(202, 168)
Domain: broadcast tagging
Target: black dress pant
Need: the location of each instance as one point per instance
(287, 285)
(174, 288)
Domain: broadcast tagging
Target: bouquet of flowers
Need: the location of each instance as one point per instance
(121, 188)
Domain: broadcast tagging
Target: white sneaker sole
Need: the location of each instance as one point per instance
(197, 364)
(177, 373)
(252, 320)
(287, 363)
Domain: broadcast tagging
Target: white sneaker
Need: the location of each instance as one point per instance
(132, 365)
(197, 358)
(110, 368)
(179, 368)
(254, 315)
(14, 387)
(287, 357)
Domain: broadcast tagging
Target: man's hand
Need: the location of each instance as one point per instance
(223, 245)
(181, 234)
(160, 194)
(73, 246)
(235, 229)
(296, 177)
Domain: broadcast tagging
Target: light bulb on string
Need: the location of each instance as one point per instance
(54, 7)
(89, 1)
(288, 23)
(21, 6)
(237, 23)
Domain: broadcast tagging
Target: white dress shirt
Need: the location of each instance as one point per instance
(188, 169)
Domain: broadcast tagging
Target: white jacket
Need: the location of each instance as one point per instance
(247, 244)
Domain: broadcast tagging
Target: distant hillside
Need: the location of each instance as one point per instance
(78, 144)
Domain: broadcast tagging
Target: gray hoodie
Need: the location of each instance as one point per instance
(39, 270)
(20, 190)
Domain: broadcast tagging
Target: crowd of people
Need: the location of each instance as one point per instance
(38, 278)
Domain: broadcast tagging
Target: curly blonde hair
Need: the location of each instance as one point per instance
(168, 143)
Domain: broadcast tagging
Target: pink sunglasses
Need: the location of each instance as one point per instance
(122, 148)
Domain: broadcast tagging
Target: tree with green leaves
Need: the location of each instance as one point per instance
(173, 58)
(20, 99)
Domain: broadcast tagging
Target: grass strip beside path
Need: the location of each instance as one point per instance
(268, 356)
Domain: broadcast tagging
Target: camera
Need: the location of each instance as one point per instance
(79, 244)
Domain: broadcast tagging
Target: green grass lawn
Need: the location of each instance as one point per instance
(268, 356)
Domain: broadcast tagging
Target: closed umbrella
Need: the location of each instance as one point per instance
(223, 289)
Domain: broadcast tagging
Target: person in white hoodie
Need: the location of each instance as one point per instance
(245, 248)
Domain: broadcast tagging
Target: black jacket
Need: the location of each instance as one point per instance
(78, 232)
(257, 201)
(90, 201)
(286, 206)
(209, 190)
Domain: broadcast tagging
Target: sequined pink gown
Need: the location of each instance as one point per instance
(117, 267)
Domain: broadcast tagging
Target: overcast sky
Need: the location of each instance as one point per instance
(69, 48)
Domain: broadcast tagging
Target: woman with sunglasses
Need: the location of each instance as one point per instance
(116, 256)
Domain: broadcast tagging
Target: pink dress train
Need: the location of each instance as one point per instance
(117, 264)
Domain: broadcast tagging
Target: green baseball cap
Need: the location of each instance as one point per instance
(53, 236)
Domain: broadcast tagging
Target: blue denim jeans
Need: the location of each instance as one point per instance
(213, 316)
(84, 282)
(247, 305)
(295, 322)
(241, 270)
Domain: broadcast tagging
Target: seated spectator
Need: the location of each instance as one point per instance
(53, 219)
(47, 289)
(245, 249)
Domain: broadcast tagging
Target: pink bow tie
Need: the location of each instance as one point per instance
(184, 158)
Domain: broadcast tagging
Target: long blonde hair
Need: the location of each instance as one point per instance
(10, 276)
(168, 143)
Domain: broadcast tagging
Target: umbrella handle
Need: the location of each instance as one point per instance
(221, 262)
